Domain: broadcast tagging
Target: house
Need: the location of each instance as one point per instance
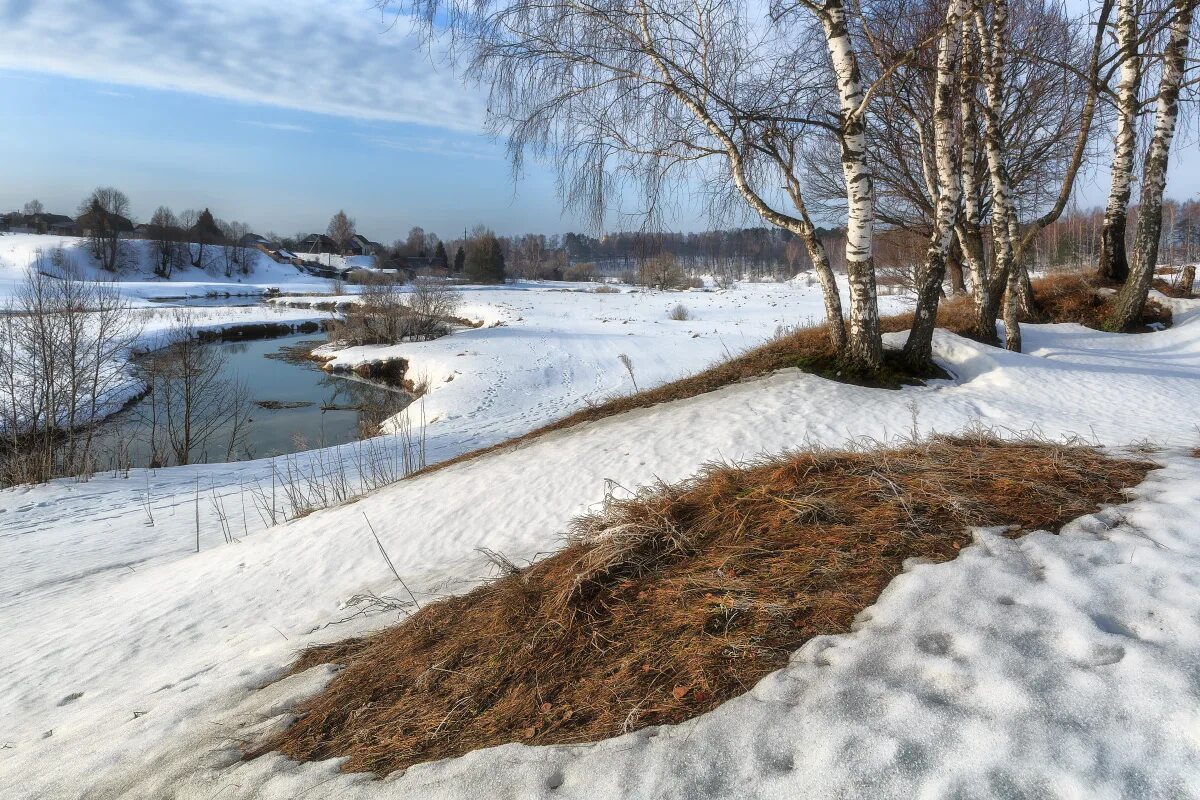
(362, 246)
(99, 222)
(254, 240)
(56, 224)
(317, 243)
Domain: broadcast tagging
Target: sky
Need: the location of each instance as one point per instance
(275, 114)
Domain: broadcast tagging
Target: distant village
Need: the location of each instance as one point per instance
(317, 253)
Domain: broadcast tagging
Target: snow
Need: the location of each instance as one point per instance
(136, 280)
(1056, 666)
(150, 296)
(546, 349)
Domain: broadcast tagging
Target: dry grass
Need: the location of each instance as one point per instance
(670, 603)
(1075, 297)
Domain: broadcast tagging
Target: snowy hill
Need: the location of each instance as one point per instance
(1052, 661)
(21, 251)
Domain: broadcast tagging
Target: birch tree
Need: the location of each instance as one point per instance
(1132, 298)
(1009, 243)
(655, 95)
(1114, 262)
(865, 348)
(918, 350)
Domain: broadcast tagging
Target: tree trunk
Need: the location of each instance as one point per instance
(954, 265)
(918, 350)
(992, 41)
(864, 347)
(1132, 298)
(1114, 263)
(829, 290)
(1187, 280)
(970, 235)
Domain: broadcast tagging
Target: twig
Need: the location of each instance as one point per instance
(388, 559)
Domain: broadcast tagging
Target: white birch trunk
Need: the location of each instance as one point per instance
(864, 348)
(918, 350)
(1114, 262)
(992, 46)
(969, 234)
(1132, 298)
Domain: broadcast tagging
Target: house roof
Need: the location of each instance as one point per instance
(102, 219)
(52, 219)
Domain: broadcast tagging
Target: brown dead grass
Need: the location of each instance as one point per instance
(1171, 289)
(1076, 297)
(668, 604)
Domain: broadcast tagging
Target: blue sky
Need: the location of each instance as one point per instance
(277, 114)
(276, 168)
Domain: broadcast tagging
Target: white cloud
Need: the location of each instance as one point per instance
(277, 126)
(337, 57)
(440, 146)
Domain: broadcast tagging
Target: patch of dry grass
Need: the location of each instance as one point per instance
(667, 604)
(1076, 297)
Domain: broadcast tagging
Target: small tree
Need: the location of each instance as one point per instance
(195, 407)
(34, 207)
(414, 245)
(439, 255)
(165, 242)
(341, 230)
(103, 215)
(460, 260)
(485, 259)
(202, 229)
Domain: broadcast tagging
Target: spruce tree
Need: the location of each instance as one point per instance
(439, 255)
(460, 258)
(485, 259)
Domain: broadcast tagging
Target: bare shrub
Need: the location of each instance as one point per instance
(63, 344)
(662, 272)
(583, 271)
(387, 315)
(680, 313)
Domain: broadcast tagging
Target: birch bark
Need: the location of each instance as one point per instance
(1132, 298)
(1114, 262)
(918, 350)
(864, 348)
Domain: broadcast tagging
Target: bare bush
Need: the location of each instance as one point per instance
(662, 272)
(195, 409)
(680, 313)
(387, 315)
(583, 271)
(63, 344)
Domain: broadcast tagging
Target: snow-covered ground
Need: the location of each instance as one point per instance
(136, 279)
(149, 297)
(1053, 666)
(547, 349)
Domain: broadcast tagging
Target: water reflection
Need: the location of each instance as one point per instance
(295, 406)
